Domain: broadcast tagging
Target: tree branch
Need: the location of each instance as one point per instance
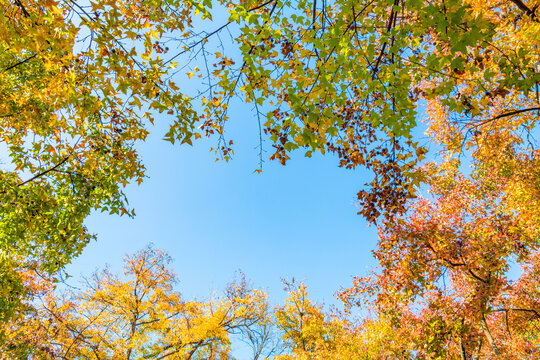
(506, 114)
(21, 6)
(531, 12)
(489, 337)
(462, 352)
(201, 41)
(19, 63)
(535, 312)
(44, 172)
(391, 24)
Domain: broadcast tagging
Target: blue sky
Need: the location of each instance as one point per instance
(214, 218)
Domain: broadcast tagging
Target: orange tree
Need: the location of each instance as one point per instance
(459, 267)
(448, 267)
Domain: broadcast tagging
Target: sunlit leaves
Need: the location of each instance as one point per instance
(79, 84)
(139, 316)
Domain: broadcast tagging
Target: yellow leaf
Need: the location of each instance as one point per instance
(173, 86)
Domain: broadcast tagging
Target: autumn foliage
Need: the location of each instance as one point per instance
(140, 315)
(457, 210)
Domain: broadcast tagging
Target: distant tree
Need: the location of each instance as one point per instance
(311, 333)
(137, 316)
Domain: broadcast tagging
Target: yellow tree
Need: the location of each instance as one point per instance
(311, 333)
(137, 316)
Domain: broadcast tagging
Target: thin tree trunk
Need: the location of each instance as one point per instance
(490, 339)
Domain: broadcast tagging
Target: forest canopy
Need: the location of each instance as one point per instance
(81, 84)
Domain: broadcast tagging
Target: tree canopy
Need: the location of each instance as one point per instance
(81, 83)
(140, 316)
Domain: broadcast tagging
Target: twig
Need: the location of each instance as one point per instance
(19, 63)
(531, 12)
(506, 114)
(44, 172)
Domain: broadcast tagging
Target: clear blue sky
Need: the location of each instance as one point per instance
(213, 218)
